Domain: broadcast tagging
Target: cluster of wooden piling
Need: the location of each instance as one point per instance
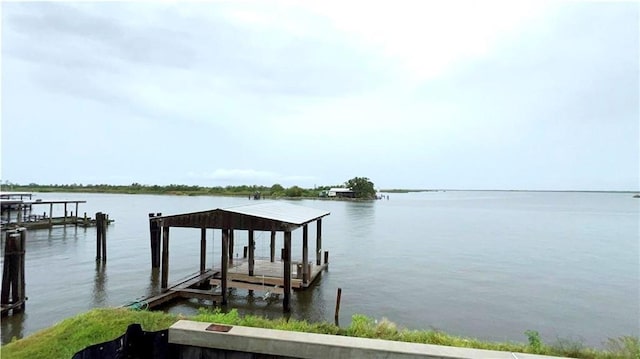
(12, 297)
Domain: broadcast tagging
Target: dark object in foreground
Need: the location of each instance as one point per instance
(135, 344)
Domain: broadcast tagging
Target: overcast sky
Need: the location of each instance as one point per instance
(474, 95)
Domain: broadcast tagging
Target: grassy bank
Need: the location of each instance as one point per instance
(99, 325)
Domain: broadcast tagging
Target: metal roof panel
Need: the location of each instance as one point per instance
(279, 211)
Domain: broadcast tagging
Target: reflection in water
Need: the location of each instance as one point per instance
(14, 328)
(154, 282)
(99, 293)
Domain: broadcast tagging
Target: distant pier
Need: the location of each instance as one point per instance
(19, 210)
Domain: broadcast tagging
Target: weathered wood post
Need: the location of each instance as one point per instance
(252, 246)
(287, 272)
(65, 214)
(75, 220)
(231, 246)
(326, 257)
(224, 264)
(337, 314)
(305, 254)
(98, 235)
(165, 257)
(154, 234)
(85, 221)
(203, 249)
(273, 246)
(50, 213)
(318, 241)
(19, 214)
(104, 236)
(13, 281)
(101, 237)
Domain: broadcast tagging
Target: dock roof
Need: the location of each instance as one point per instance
(264, 216)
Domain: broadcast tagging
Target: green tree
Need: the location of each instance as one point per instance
(362, 186)
(277, 188)
(294, 191)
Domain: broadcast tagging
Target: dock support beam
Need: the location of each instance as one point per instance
(252, 247)
(273, 246)
(305, 254)
(203, 249)
(318, 241)
(165, 257)
(225, 264)
(287, 272)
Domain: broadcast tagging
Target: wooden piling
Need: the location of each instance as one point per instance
(231, 246)
(305, 255)
(104, 237)
(100, 254)
(155, 232)
(203, 249)
(224, 264)
(338, 297)
(326, 257)
(12, 294)
(318, 240)
(165, 258)
(287, 272)
(273, 246)
(252, 246)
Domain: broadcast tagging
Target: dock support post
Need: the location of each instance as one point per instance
(101, 248)
(75, 220)
(337, 314)
(104, 237)
(13, 282)
(154, 234)
(50, 213)
(203, 249)
(318, 241)
(225, 264)
(273, 246)
(326, 257)
(19, 214)
(287, 272)
(165, 257)
(305, 254)
(64, 221)
(252, 247)
(231, 246)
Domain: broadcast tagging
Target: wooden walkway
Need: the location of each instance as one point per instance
(182, 290)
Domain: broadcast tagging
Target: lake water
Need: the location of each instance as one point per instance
(489, 265)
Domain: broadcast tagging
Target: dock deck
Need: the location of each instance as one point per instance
(268, 277)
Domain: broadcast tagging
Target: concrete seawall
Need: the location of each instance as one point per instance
(204, 340)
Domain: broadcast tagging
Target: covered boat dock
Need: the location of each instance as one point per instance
(246, 273)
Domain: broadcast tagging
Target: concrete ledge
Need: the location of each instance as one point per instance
(309, 345)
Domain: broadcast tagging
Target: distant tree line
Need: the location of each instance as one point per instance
(362, 186)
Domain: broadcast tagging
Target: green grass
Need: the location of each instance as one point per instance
(99, 325)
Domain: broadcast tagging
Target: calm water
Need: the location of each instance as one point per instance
(483, 264)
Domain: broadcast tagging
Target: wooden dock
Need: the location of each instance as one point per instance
(247, 273)
(268, 278)
(22, 213)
